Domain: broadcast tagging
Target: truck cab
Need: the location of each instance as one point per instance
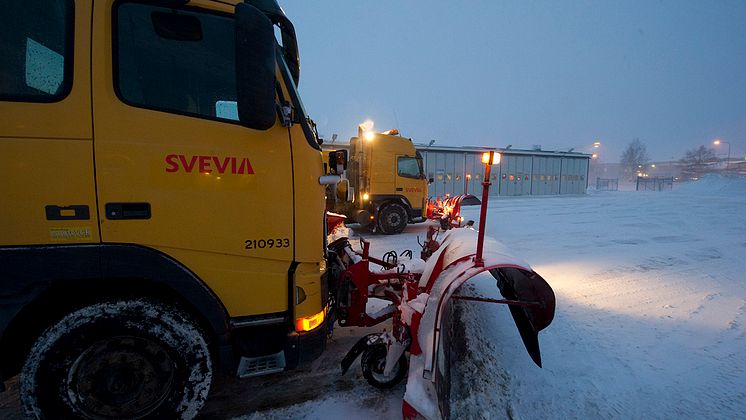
(162, 200)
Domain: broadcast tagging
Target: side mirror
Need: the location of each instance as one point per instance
(430, 180)
(274, 12)
(255, 68)
(338, 161)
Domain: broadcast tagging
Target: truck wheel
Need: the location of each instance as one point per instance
(392, 219)
(132, 359)
(373, 362)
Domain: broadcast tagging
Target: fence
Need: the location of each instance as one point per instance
(654, 184)
(607, 184)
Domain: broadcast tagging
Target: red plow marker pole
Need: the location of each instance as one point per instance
(487, 159)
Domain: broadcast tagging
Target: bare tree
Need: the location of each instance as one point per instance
(697, 162)
(634, 157)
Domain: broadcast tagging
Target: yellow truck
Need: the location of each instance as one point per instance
(140, 145)
(384, 186)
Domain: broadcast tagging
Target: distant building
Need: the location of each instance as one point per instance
(454, 170)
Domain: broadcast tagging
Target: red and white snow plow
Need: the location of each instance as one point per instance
(419, 291)
(447, 209)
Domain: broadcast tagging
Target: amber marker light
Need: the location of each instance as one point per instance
(490, 158)
(310, 322)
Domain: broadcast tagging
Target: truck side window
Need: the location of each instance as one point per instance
(175, 60)
(409, 167)
(36, 50)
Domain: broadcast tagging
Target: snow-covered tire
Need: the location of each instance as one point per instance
(373, 362)
(392, 219)
(132, 359)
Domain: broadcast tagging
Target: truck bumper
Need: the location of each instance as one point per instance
(304, 347)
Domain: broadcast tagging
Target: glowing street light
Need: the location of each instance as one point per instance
(717, 142)
(596, 144)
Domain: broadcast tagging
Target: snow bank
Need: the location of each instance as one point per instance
(715, 184)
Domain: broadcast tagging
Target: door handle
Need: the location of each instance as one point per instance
(400, 189)
(129, 211)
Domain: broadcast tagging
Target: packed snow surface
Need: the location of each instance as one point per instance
(650, 319)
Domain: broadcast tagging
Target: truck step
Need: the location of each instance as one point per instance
(263, 365)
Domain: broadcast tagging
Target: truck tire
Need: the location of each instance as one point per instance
(373, 362)
(132, 358)
(392, 219)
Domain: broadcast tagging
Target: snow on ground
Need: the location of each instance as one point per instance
(651, 307)
(650, 320)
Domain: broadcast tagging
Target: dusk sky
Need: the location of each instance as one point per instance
(559, 74)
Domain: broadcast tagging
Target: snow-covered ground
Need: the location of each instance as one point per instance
(650, 320)
(651, 307)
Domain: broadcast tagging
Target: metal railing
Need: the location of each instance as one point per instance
(607, 184)
(654, 184)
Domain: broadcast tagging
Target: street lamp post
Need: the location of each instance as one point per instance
(717, 142)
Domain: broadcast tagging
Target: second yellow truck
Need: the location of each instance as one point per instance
(384, 186)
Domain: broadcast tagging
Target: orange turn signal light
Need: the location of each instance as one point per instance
(310, 322)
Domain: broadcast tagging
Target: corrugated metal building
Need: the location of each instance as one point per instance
(520, 172)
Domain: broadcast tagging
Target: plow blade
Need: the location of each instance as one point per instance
(470, 200)
(530, 299)
(524, 286)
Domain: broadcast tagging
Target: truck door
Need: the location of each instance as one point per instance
(46, 148)
(410, 179)
(175, 170)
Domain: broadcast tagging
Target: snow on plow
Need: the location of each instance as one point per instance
(530, 299)
(419, 290)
